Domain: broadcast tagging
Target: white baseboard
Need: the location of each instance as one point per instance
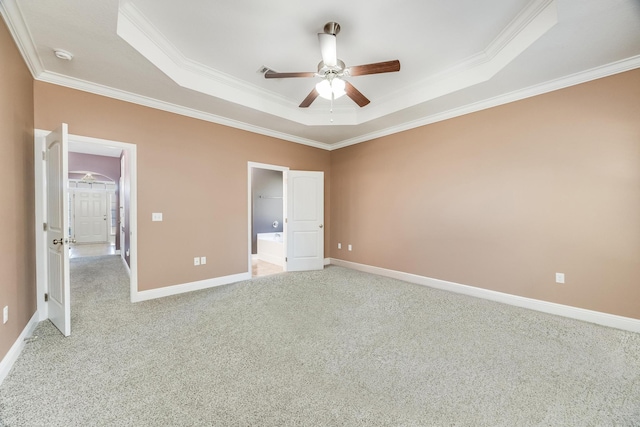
(604, 319)
(126, 267)
(188, 287)
(327, 261)
(16, 348)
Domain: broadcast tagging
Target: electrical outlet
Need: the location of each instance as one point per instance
(203, 260)
(156, 216)
(339, 245)
(350, 247)
(5, 314)
(559, 277)
(196, 261)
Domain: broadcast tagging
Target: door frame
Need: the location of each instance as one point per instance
(284, 170)
(40, 234)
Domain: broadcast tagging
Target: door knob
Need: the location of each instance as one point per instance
(320, 225)
(58, 242)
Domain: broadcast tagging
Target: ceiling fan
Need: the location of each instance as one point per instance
(332, 70)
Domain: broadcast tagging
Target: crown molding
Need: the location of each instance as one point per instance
(22, 37)
(538, 17)
(97, 89)
(141, 34)
(550, 86)
(535, 20)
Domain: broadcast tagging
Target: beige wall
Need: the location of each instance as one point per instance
(194, 172)
(17, 263)
(500, 199)
(504, 198)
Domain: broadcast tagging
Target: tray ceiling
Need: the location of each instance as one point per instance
(202, 58)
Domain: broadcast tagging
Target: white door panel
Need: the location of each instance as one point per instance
(90, 216)
(305, 220)
(59, 304)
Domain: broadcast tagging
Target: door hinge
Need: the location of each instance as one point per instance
(286, 220)
(286, 259)
(46, 297)
(44, 226)
(44, 155)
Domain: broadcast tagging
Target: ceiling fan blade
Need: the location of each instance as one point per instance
(328, 49)
(355, 94)
(274, 75)
(377, 68)
(310, 98)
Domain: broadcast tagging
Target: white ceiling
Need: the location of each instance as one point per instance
(201, 58)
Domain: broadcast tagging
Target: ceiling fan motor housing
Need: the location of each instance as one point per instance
(332, 28)
(324, 69)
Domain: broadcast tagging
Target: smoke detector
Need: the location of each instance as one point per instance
(62, 54)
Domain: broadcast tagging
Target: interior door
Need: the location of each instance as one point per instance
(305, 220)
(59, 303)
(90, 216)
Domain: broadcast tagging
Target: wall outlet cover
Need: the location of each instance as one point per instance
(196, 261)
(203, 260)
(559, 277)
(156, 216)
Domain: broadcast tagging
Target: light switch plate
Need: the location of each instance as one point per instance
(196, 261)
(156, 216)
(203, 260)
(559, 277)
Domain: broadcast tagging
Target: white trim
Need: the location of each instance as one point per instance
(42, 307)
(14, 352)
(597, 317)
(41, 283)
(24, 41)
(21, 35)
(517, 95)
(531, 23)
(126, 266)
(327, 261)
(188, 287)
(113, 93)
(282, 169)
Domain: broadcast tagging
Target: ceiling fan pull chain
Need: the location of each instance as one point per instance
(331, 109)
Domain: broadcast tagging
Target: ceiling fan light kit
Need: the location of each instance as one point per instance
(331, 89)
(332, 71)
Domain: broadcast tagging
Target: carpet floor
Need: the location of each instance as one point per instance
(327, 348)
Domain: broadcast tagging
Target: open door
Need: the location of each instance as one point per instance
(305, 220)
(57, 207)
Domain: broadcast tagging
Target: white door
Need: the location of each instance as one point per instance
(305, 220)
(59, 304)
(90, 216)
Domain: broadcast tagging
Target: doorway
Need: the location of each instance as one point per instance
(102, 190)
(267, 201)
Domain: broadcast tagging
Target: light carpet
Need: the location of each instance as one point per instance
(328, 348)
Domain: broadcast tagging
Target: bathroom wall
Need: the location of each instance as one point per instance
(267, 203)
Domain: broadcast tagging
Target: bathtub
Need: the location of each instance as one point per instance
(271, 248)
